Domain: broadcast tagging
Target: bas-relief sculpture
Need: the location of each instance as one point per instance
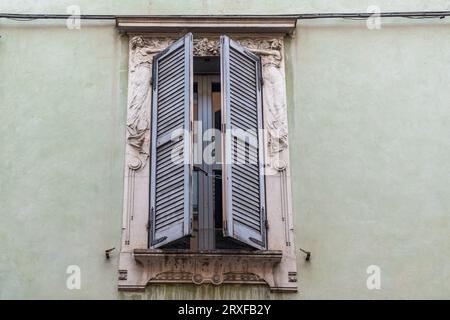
(142, 50)
(270, 52)
(142, 53)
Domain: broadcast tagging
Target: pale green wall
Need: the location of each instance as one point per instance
(369, 136)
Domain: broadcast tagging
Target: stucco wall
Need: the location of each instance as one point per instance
(369, 127)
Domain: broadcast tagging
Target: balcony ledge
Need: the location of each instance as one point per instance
(201, 267)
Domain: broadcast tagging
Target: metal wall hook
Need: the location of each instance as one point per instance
(308, 254)
(108, 252)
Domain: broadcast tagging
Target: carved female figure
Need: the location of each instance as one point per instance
(138, 122)
(273, 92)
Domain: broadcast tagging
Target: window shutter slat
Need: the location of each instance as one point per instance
(243, 169)
(171, 163)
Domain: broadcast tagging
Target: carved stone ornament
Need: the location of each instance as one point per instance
(139, 266)
(142, 51)
(203, 267)
(123, 274)
(206, 47)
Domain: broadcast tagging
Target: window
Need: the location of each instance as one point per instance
(190, 202)
(207, 219)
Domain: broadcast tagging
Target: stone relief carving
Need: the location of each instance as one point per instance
(273, 90)
(214, 268)
(206, 47)
(143, 50)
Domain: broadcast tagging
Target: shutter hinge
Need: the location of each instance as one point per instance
(225, 225)
(266, 223)
(261, 81)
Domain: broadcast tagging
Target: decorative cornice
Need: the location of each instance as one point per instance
(231, 24)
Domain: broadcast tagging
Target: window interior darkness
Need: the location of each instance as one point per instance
(207, 175)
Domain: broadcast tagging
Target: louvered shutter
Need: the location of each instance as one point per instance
(243, 169)
(171, 143)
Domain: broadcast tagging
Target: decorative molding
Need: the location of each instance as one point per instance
(129, 213)
(238, 277)
(285, 216)
(171, 276)
(206, 47)
(292, 276)
(215, 267)
(123, 275)
(281, 25)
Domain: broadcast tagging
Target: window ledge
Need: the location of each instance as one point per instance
(270, 255)
(201, 267)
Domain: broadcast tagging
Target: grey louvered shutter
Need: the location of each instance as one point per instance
(171, 144)
(243, 169)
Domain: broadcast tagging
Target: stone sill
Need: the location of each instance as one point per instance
(215, 266)
(142, 254)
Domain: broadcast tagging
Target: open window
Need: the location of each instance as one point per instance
(218, 204)
(202, 184)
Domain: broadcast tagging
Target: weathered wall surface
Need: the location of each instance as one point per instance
(369, 127)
